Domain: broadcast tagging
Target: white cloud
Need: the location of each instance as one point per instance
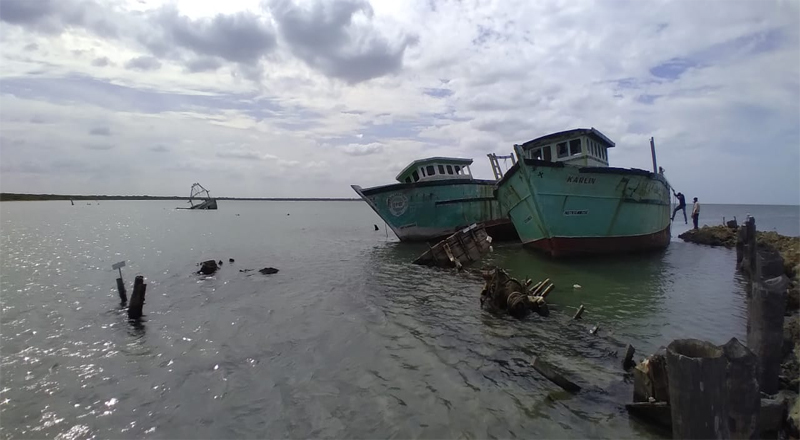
(717, 88)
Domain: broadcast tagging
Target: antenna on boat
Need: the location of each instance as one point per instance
(653, 153)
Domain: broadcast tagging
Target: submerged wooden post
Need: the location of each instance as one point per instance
(697, 389)
(137, 298)
(578, 313)
(743, 390)
(765, 311)
(628, 362)
(123, 297)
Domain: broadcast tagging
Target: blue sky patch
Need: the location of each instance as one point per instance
(672, 69)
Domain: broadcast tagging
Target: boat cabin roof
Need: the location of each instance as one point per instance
(413, 166)
(568, 134)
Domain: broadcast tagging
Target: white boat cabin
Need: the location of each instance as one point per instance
(581, 147)
(436, 168)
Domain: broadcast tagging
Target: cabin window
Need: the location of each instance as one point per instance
(408, 179)
(430, 170)
(457, 168)
(441, 169)
(574, 147)
(415, 175)
(537, 154)
(547, 155)
(562, 149)
(449, 169)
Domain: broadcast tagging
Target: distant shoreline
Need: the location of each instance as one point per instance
(16, 197)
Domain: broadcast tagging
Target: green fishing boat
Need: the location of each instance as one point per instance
(435, 197)
(564, 199)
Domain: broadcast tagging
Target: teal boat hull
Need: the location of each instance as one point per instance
(568, 210)
(433, 210)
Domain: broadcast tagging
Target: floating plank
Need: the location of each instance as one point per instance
(551, 373)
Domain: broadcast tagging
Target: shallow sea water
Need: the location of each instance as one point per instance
(348, 340)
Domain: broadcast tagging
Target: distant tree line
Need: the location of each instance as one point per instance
(12, 197)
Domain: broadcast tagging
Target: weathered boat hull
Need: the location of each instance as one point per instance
(568, 210)
(428, 211)
(207, 204)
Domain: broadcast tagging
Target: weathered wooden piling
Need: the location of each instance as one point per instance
(579, 312)
(749, 263)
(137, 298)
(765, 311)
(697, 389)
(743, 390)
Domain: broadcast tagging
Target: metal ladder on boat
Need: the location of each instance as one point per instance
(495, 161)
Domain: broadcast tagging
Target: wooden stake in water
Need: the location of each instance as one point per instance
(123, 297)
(137, 298)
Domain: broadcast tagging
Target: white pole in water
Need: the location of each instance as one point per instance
(653, 152)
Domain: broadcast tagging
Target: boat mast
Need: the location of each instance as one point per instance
(653, 153)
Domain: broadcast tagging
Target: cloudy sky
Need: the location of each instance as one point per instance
(305, 97)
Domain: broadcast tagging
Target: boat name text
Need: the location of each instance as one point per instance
(576, 212)
(586, 180)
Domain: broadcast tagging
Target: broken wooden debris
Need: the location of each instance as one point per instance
(552, 374)
(651, 390)
(594, 330)
(627, 362)
(579, 312)
(503, 293)
(268, 270)
(458, 250)
(658, 413)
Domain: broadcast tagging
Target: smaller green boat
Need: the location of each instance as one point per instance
(434, 198)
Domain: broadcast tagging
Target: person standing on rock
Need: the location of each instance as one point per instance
(695, 212)
(681, 206)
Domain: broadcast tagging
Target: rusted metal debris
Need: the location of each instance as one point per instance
(505, 294)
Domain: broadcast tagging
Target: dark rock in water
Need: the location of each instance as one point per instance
(377, 228)
(245, 270)
(208, 267)
(711, 235)
(268, 270)
(219, 263)
(230, 260)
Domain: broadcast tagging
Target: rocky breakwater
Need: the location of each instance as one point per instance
(767, 259)
(769, 244)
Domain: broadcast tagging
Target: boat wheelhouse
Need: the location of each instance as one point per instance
(564, 199)
(435, 168)
(581, 147)
(435, 197)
